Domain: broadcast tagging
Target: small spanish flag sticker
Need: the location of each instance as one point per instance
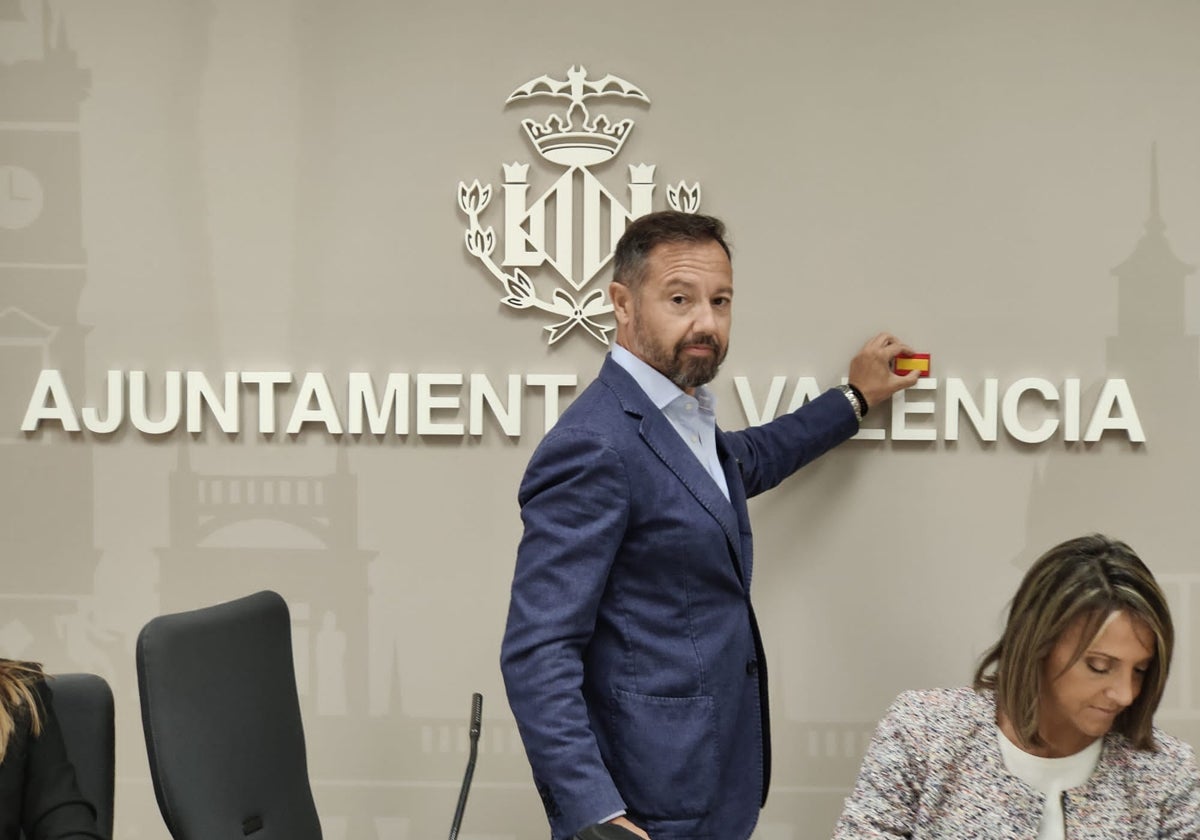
(912, 361)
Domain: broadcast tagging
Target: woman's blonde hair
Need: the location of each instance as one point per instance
(1086, 578)
(18, 698)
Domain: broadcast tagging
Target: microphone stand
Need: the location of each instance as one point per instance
(476, 725)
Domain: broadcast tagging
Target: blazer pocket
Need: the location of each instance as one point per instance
(665, 758)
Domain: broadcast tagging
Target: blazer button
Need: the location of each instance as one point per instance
(752, 667)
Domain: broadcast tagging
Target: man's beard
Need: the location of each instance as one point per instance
(685, 371)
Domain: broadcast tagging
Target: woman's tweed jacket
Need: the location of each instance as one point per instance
(934, 770)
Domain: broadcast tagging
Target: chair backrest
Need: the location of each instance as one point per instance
(222, 722)
(83, 704)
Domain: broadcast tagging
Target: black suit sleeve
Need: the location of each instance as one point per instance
(52, 807)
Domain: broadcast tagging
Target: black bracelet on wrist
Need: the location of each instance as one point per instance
(856, 404)
(858, 395)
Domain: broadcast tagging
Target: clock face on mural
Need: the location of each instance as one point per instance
(21, 197)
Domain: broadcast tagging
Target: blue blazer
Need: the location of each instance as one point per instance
(631, 658)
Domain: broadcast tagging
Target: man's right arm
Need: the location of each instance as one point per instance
(574, 503)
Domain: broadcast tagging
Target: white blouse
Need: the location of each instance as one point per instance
(1050, 777)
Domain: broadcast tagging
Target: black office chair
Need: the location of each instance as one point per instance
(222, 722)
(83, 704)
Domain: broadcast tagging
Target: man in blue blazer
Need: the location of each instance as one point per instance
(632, 657)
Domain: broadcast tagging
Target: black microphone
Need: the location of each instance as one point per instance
(476, 725)
(476, 716)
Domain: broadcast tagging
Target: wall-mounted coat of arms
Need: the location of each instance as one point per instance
(574, 225)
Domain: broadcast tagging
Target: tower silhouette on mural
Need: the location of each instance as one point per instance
(817, 761)
(309, 552)
(231, 534)
(1106, 491)
(47, 519)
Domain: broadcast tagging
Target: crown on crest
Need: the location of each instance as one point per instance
(591, 140)
(515, 172)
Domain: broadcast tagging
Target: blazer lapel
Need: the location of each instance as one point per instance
(738, 504)
(671, 449)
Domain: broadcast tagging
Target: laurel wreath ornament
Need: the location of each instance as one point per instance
(519, 291)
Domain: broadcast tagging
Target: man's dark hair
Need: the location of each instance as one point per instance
(646, 232)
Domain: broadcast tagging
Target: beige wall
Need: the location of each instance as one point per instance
(234, 186)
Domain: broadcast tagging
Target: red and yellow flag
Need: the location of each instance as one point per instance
(912, 361)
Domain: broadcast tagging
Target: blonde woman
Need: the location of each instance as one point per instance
(38, 791)
(1056, 738)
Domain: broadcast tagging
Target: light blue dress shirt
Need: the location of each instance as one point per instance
(693, 417)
